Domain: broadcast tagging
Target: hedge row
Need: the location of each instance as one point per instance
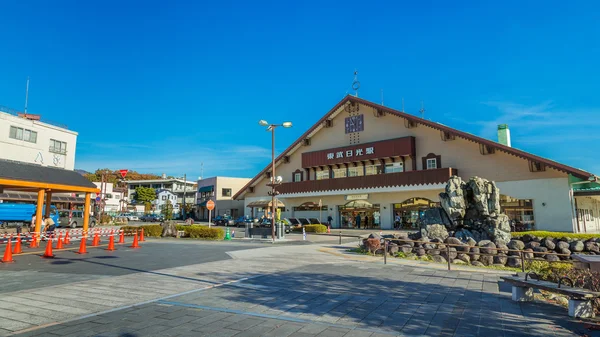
(311, 229)
(149, 230)
(556, 235)
(202, 232)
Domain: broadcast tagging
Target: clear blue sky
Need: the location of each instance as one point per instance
(163, 86)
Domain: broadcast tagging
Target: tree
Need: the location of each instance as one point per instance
(145, 195)
(167, 210)
(114, 176)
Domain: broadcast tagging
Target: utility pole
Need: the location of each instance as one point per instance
(184, 188)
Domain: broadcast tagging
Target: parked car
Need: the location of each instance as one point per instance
(131, 217)
(293, 222)
(76, 219)
(223, 220)
(151, 218)
(242, 221)
(314, 221)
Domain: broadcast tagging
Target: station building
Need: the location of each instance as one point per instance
(363, 159)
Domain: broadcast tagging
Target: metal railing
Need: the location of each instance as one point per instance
(518, 254)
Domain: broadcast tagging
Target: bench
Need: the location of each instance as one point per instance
(580, 300)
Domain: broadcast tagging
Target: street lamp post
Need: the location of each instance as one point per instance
(274, 181)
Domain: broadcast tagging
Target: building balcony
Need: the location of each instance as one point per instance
(422, 177)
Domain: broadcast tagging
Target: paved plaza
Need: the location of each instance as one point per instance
(245, 289)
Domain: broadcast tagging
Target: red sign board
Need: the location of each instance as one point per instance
(210, 205)
(123, 173)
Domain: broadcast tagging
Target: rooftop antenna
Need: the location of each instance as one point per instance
(402, 104)
(422, 111)
(201, 170)
(26, 95)
(382, 97)
(355, 83)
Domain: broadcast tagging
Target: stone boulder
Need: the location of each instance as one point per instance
(457, 261)
(464, 235)
(434, 252)
(464, 257)
(548, 243)
(591, 246)
(477, 264)
(434, 231)
(487, 247)
(453, 199)
(372, 245)
(486, 260)
(565, 251)
(475, 251)
(552, 258)
(514, 262)
(502, 247)
(169, 229)
(374, 236)
(527, 238)
(419, 251)
(528, 253)
(500, 259)
(439, 259)
(392, 248)
(539, 252)
(453, 254)
(405, 249)
(532, 245)
(516, 244)
(562, 245)
(577, 246)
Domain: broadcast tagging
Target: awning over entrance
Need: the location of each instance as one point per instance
(264, 203)
(206, 189)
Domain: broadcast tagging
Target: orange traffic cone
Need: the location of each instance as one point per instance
(135, 241)
(96, 240)
(328, 229)
(142, 235)
(17, 249)
(66, 239)
(122, 236)
(111, 241)
(7, 253)
(48, 252)
(59, 243)
(33, 243)
(82, 249)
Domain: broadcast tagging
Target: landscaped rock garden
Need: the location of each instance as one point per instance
(469, 229)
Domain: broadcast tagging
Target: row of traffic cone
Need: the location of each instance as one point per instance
(7, 258)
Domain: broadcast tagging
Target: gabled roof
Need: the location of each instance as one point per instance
(14, 174)
(461, 134)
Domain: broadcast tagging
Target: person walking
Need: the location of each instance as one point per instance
(329, 220)
(32, 225)
(358, 221)
(366, 221)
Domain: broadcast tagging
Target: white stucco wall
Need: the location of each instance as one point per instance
(38, 152)
(551, 201)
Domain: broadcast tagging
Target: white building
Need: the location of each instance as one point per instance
(179, 187)
(163, 197)
(114, 201)
(26, 139)
(221, 191)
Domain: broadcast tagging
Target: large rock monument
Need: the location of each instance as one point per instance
(469, 210)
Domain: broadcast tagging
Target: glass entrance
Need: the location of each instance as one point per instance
(360, 214)
(410, 210)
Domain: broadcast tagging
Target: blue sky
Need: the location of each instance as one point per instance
(163, 86)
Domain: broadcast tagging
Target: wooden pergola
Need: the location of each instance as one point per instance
(45, 181)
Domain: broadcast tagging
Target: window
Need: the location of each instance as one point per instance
(431, 163)
(372, 169)
(339, 173)
(394, 167)
(164, 197)
(226, 192)
(324, 174)
(23, 134)
(297, 176)
(355, 171)
(57, 146)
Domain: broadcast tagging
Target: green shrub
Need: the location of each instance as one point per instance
(203, 232)
(549, 271)
(149, 230)
(180, 227)
(556, 235)
(315, 228)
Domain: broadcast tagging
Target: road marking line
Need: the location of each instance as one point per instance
(283, 318)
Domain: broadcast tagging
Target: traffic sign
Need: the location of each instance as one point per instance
(98, 199)
(123, 173)
(210, 205)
